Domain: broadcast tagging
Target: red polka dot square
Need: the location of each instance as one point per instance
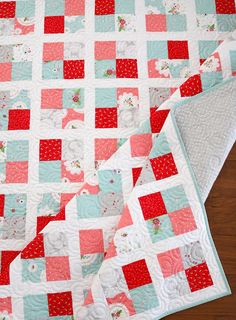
(136, 274)
(73, 69)
(19, 119)
(163, 166)
(50, 149)
(60, 304)
(7, 9)
(106, 118)
(152, 205)
(199, 277)
(104, 7)
(126, 68)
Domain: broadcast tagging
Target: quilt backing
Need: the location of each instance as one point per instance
(100, 214)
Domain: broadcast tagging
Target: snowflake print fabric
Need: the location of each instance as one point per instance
(100, 215)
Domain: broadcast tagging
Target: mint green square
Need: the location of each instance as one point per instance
(232, 55)
(144, 298)
(22, 96)
(78, 23)
(176, 22)
(50, 171)
(22, 70)
(53, 69)
(36, 307)
(32, 269)
(88, 206)
(73, 98)
(175, 70)
(105, 23)
(226, 22)
(4, 119)
(102, 68)
(157, 49)
(54, 7)
(205, 6)
(93, 267)
(25, 8)
(160, 228)
(210, 79)
(17, 150)
(110, 180)
(160, 146)
(127, 6)
(16, 202)
(156, 4)
(3, 168)
(106, 98)
(175, 198)
(207, 47)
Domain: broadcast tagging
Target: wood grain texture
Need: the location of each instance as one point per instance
(221, 212)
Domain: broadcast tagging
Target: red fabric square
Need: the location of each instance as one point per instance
(73, 69)
(126, 68)
(91, 241)
(136, 274)
(106, 118)
(60, 304)
(54, 24)
(7, 9)
(2, 204)
(152, 205)
(191, 87)
(103, 7)
(157, 119)
(19, 119)
(178, 50)
(199, 277)
(225, 6)
(50, 149)
(35, 249)
(163, 166)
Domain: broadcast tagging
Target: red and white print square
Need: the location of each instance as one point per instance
(7, 9)
(73, 69)
(170, 262)
(126, 68)
(50, 149)
(106, 118)
(136, 274)
(91, 241)
(57, 268)
(163, 166)
(18, 119)
(199, 277)
(152, 205)
(60, 304)
(104, 7)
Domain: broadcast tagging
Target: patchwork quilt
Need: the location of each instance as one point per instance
(100, 213)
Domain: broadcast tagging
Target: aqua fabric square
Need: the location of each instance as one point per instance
(40, 303)
(53, 69)
(32, 269)
(2, 171)
(105, 69)
(210, 79)
(160, 146)
(176, 22)
(54, 8)
(106, 98)
(74, 24)
(3, 119)
(105, 23)
(50, 171)
(176, 69)
(17, 150)
(91, 263)
(88, 206)
(232, 55)
(73, 98)
(160, 228)
(207, 47)
(175, 198)
(226, 22)
(22, 70)
(110, 180)
(144, 298)
(25, 8)
(15, 204)
(157, 49)
(21, 99)
(157, 4)
(127, 6)
(205, 6)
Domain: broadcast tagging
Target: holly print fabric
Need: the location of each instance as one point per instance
(98, 207)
